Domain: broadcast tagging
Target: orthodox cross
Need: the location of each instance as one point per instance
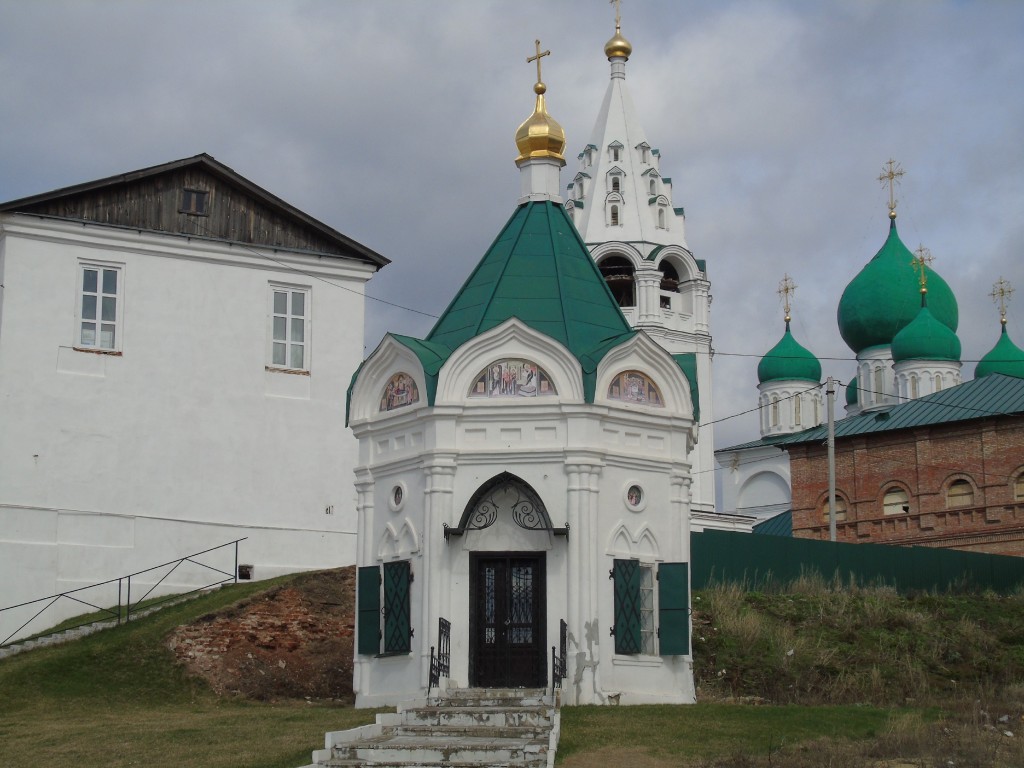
(786, 289)
(920, 263)
(891, 175)
(1001, 293)
(618, 17)
(537, 58)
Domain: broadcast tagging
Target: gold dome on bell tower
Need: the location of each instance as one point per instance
(540, 135)
(618, 46)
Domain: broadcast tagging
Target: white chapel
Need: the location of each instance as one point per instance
(525, 471)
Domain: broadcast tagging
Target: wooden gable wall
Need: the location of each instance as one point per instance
(155, 203)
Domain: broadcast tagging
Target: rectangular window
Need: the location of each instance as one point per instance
(99, 308)
(650, 621)
(289, 332)
(384, 595)
(193, 201)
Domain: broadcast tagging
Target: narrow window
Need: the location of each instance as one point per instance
(615, 154)
(775, 411)
(817, 411)
(645, 155)
(797, 410)
(879, 393)
(661, 218)
(1018, 489)
(913, 387)
(615, 216)
(99, 308)
(289, 331)
(938, 382)
(895, 502)
(648, 641)
(193, 201)
(616, 187)
(960, 494)
(652, 187)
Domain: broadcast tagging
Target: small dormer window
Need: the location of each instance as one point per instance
(653, 187)
(645, 153)
(193, 201)
(616, 184)
(615, 152)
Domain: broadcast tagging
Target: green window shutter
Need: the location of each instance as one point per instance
(369, 609)
(674, 609)
(626, 578)
(397, 625)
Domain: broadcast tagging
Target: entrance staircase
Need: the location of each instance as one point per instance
(459, 728)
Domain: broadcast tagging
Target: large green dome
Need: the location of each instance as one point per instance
(883, 298)
(925, 339)
(788, 360)
(1005, 358)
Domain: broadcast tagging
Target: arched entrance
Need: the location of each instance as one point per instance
(507, 595)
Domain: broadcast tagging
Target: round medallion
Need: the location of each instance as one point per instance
(397, 497)
(635, 497)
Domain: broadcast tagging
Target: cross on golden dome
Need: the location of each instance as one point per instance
(1001, 293)
(786, 289)
(539, 55)
(891, 174)
(922, 259)
(618, 16)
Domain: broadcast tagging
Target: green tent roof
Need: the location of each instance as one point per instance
(539, 271)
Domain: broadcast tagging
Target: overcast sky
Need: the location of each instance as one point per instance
(393, 122)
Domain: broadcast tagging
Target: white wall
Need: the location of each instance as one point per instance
(114, 463)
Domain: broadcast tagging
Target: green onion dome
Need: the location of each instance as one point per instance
(788, 360)
(1005, 358)
(925, 338)
(882, 299)
(851, 392)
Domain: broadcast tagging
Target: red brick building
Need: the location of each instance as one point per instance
(946, 470)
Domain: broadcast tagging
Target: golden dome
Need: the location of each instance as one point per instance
(618, 46)
(540, 135)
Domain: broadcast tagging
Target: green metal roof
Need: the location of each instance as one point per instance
(777, 525)
(687, 363)
(539, 271)
(993, 395)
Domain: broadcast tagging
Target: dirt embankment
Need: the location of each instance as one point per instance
(294, 641)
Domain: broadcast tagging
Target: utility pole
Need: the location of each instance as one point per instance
(830, 397)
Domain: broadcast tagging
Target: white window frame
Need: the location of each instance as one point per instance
(288, 344)
(648, 609)
(95, 314)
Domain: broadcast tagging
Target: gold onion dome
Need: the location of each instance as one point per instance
(618, 46)
(540, 135)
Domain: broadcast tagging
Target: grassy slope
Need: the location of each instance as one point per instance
(117, 699)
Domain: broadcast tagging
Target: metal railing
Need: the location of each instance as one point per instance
(558, 658)
(124, 591)
(440, 663)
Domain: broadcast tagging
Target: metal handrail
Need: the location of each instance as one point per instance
(124, 587)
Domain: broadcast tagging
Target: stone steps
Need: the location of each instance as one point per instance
(461, 728)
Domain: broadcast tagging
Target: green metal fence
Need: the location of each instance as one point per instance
(773, 561)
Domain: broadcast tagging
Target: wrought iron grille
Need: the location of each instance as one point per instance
(440, 662)
(505, 493)
(397, 627)
(558, 658)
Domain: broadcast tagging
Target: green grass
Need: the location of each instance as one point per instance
(712, 730)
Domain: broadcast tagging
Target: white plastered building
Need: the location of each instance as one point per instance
(522, 466)
(174, 344)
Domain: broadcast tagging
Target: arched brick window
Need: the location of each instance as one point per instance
(960, 494)
(895, 501)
